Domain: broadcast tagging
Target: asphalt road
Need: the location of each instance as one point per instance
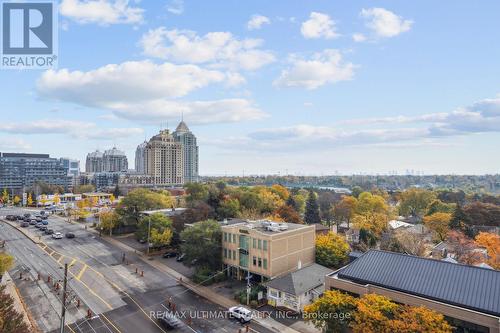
(120, 300)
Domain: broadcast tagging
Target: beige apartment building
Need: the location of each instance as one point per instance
(266, 249)
(164, 159)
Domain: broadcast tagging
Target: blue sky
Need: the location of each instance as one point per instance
(314, 87)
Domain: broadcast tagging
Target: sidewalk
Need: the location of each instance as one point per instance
(203, 291)
(10, 289)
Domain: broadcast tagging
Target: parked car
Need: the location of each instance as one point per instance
(57, 235)
(42, 212)
(27, 215)
(31, 222)
(49, 232)
(38, 219)
(170, 254)
(25, 224)
(44, 217)
(45, 222)
(70, 235)
(43, 228)
(142, 240)
(180, 257)
(19, 217)
(241, 313)
(169, 322)
(38, 225)
(10, 217)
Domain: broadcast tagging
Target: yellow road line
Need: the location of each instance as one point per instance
(93, 292)
(109, 321)
(59, 260)
(79, 276)
(72, 262)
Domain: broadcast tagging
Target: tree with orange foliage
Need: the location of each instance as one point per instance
(288, 214)
(492, 244)
(418, 319)
(372, 314)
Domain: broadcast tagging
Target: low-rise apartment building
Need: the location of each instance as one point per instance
(266, 249)
(468, 296)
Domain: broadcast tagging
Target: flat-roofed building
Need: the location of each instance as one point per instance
(468, 296)
(266, 249)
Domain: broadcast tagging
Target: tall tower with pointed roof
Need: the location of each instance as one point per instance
(183, 135)
(164, 159)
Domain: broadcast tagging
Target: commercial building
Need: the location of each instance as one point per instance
(165, 160)
(183, 135)
(297, 289)
(468, 296)
(114, 160)
(265, 249)
(72, 165)
(20, 171)
(140, 158)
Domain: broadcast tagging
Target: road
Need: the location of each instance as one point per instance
(119, 299)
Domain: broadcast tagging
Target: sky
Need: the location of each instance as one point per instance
(270, 87)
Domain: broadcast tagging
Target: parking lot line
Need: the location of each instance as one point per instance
(59, 260)
(79, 276)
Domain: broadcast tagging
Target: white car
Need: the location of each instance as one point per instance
(242, 314)
(57, 235)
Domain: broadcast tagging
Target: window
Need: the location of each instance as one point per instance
(254, 243)
(254, 260)
(234, 238)
(229, 253)
(234, 254)
(260, 262)
(260, 244)
(225, 253)
(264, 245)
(225, 237)
(265, 263)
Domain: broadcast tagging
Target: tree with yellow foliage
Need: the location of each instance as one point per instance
(5, 196)
(108, 220)
(56, 199)
(17, 200)
(29, 200)
(372, 213)
(410, 319)
(492, 244)
(161, 238)
(439, 223)
(331, 250)
(112, 198)
(332, 312)
(6, 262)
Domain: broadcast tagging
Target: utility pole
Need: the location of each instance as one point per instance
(248, 287)
(149, 232)
(63, 308)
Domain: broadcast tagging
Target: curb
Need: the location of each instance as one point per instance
(30, 237)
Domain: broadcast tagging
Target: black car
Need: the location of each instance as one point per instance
(70, 235)
(28, 215)
(49, 231)
(42, 212)
(25, 224)
(170, 254)
(43, 228)
(180, 257)
(19, 217)
(169, 322)
(44, 217)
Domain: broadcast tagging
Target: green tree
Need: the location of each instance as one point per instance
(437, 206)
(229, 208)
(116, 191)
(331, 250)
(356, 191)
(345, 209)
(312, 209)
(83, 189)
(6, 262)
(157, 223)
(461, 221)
(414, 202)
(203, 242)
(196, 192)
(139, 200)
(332, 312)
(11, 321)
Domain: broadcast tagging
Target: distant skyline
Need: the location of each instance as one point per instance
(312, 88)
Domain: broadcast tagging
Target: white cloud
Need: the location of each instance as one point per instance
(128, 81)
(257, 21)
(103, 12)
(144, 91)
(358, 37)
(9, 144)
(196, 112)
(176, 7)
(480, 117)
(75, 129)
(218, 49)
(385, 23)
(319, 25)
(324, 67)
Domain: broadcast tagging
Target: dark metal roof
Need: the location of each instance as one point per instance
(465, 286)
